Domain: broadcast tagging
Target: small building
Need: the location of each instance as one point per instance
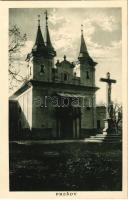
(54, 102)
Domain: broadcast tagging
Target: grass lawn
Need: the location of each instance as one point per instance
(65, 167)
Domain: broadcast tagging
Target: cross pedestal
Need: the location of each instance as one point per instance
(109, 124)
(109, 127)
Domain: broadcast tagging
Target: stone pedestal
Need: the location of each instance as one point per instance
(109, 127)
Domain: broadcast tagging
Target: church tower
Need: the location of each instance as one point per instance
(87, 65)
(41, 59)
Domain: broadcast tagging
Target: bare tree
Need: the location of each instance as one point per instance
(16, 42)
(116, 115)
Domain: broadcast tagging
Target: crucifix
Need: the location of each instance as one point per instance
(109, 82)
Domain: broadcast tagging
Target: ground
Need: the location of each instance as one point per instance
(65, 167)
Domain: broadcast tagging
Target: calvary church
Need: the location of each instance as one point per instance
(54, 102)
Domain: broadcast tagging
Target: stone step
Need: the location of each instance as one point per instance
(101, 135)
(100, 138)
(106, 138)
(102, 141)
(96, 139)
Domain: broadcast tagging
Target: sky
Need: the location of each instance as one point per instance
(102, 32)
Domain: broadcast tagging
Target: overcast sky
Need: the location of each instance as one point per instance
(102, 33)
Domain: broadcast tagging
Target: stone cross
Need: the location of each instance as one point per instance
(109, 83)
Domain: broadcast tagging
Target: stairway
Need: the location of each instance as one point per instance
(100, 138)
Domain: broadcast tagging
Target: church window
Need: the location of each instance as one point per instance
(98, 124)
(30, 71)
(88, 106)
(65, 76)
(19, 110)
(42, 69)
(50, 63)
(87, 75)
(75, 74)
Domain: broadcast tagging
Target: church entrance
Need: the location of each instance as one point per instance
(68, 122)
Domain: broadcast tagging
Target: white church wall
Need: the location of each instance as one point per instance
(25, 103)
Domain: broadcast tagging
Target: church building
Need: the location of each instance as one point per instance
(54, 103)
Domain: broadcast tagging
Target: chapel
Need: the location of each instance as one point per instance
(54, 102)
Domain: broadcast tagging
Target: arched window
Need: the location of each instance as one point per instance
(42, 69)
(65, 76)
(30, 71)
(87, 75)
(19, 110)
(87, 103)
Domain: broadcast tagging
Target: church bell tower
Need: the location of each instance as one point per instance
(87, 65)
(41, 59)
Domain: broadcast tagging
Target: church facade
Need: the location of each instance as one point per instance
(54, 102)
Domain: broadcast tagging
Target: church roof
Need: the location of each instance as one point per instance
(83, 47)
(40, 47)
(39, 43)
(84, 55)
(49, 46)
(39, 38)
(48, 40)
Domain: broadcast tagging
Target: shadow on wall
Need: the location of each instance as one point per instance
(17, 120)
(19, 126)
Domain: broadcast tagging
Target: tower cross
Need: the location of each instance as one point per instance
(38, 20)
(109, 82)
(82, 28)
